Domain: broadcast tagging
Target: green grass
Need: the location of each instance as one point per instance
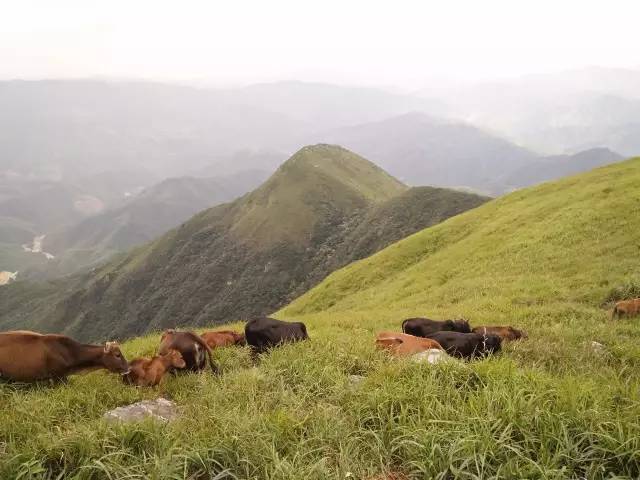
(547, 259)
(296, 415)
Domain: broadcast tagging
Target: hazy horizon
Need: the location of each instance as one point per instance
(359, 43)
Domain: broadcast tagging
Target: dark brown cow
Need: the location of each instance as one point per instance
(505, 333)
(148, 372)
(29, 356)
(626, 308)
(467, 345)
(401, 344)
(422, 327)
(191, 346)
(223, 338)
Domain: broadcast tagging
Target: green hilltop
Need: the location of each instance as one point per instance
(322, 209)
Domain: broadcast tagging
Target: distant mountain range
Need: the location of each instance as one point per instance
(564, 112)
(323, 208)
(71, 130)
(555, 166)
(422, 150)
(66, 129)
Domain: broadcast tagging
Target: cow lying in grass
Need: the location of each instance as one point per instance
(28, 357)
(505, 333)
(223, 338)
(422, 327)
(148, 372)
(401, 344)
(264, 333)
(626, 308)
(467, 345)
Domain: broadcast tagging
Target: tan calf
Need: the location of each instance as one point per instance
(148, 372)
(505, 333)
(626, 308)
(223, 338)
(402, 344)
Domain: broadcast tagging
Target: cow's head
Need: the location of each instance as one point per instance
(461, 325)
(515, 334)
(176, 358)
(113, 358)
(389, 342)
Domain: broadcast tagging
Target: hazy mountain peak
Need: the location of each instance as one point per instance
(316, 177)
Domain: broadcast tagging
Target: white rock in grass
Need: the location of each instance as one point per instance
(433, 355)
(356, 380)
(158, 409)
(598, 347)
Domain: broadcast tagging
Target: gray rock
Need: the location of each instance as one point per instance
(159, 409)
(355, 380)
(598, 347)
(432, 355)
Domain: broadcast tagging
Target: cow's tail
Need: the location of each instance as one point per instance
(207, 348)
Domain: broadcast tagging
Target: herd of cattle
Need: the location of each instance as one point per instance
(29, 356)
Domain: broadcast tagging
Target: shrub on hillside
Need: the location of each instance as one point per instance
(629, 289)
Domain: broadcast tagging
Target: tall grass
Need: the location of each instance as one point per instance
(295, 414)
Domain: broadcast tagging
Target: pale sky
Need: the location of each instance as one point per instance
(401, 43)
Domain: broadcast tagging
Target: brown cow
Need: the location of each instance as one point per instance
(191, 346)
(223, 338)
(28, 356)
(627, 308)
(402, 344)
(506, 333)
(148, 372)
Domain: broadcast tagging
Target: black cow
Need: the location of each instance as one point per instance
(264, 333)
(423, 327)
(467, 345)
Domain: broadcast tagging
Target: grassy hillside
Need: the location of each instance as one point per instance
(551, 407)
(243, 258)
(564, 243)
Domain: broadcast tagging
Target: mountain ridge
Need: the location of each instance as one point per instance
(239, 259)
